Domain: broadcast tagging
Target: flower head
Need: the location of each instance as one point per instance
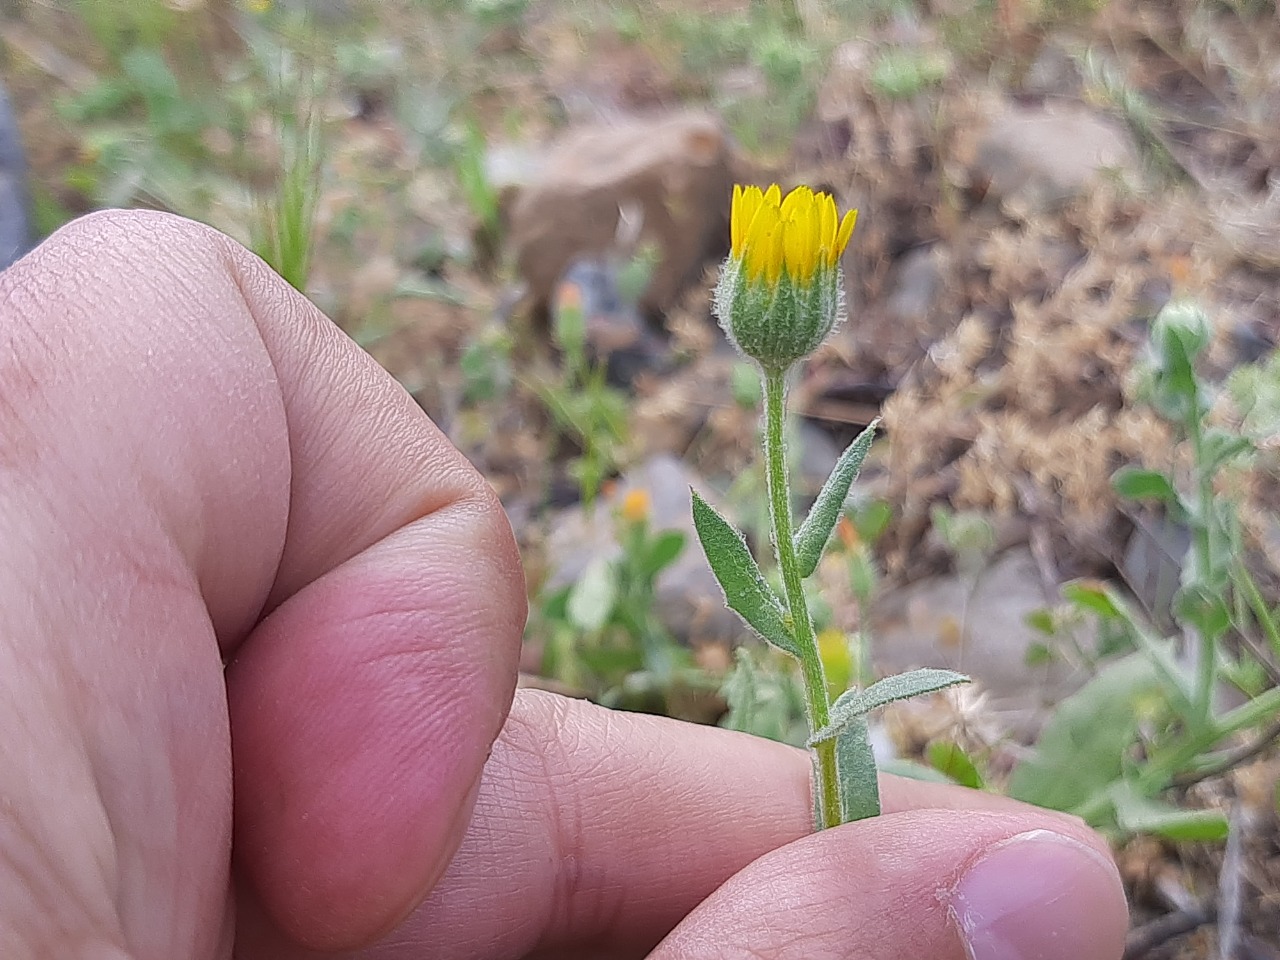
(635, 506)
(779, 294)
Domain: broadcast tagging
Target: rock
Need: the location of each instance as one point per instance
(689, 601)
(1153, 560)
(512, 165)
(1053, 73)
(978, 628)
(675, 171)
(1042, 156)
(917, 283)
(615, 334)
(813, 456)
(890, 333)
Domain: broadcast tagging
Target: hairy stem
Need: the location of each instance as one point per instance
(815, 681)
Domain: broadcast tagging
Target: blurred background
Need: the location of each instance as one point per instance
(1063, 298)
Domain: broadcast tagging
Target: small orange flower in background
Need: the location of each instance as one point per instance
(847, 533)
(635, 506)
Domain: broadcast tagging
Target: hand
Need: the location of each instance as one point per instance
(198, 469)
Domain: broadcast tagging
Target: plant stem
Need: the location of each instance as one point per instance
(815, 681)
(1203, 545)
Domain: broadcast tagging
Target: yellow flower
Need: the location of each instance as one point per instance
(801, 232)
(635, 506)
(779, 293)
(837, 659)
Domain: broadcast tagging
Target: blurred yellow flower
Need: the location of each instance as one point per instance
(837, 660)
(635, 506)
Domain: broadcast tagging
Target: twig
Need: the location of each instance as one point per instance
(1141, 940)
(1232, 758)
(1230, 886)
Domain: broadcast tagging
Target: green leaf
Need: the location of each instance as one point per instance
(1135, 483)
(1204, 609)
(1038, 655)
(1042, 621)
(1091, 595)
(816, 529)
(745, 590)
(1138, 814)
(856, 767)
(1219, 447)
(852, 704)
(663, 550)
(1081, 751)
(871, 520)
(592, 598)
(949, 759)
(912, 770)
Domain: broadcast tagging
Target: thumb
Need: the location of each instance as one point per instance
(939, 884)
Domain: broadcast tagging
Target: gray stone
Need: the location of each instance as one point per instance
(1053, 73)
(813, 454)
(671, 176)
(1152, 561)
(977, 626)
(1041, 157)
(917, 283)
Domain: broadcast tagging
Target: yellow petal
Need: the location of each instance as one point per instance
(817, 239)
(827, 220)
(793, 251)
(798, 199)
(842, 237)
(772, 249)
(759, 236)
(737, 221)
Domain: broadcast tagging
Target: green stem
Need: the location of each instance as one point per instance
(1203, 543)
(815, 681)
(1161, 769)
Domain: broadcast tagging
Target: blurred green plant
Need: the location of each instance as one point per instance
(124, 26)
(144, 136)
(901, 73)
(765, 697)
(468, 161)
(496, 13)
(582, 404)
(1150, 721)
(283, 234)
(601, 633)
(485, 365)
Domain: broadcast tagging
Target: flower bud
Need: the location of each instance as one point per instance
(780, 291)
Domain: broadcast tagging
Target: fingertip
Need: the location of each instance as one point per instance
(1040, 894)
(976, 885)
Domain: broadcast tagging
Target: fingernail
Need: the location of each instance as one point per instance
(1040, 896)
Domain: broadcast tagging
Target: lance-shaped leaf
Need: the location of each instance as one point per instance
(816, 529)
(859, 784)
(853, 704)
(745, 590)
